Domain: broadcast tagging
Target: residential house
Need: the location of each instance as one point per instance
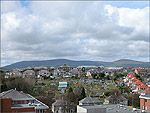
(119, 82)
(136, 85)
(74, 72)
(56, 72)
(28, 73)
(44, 73)
(140, 71)
(114, 69)
(94, 72)
(18, 101)
(108, 72)
(40, 68)
(63, 106)
(86, 68)
(15, 73)
(141, 87)
(145, 102)
(65, 67)
(119, 100)
(90, 101)
(52, 71)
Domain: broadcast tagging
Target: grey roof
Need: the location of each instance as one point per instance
(147, 95)
(116, 108)
(28, 71)
(44, 71)
(62, 102)
(119, 97)
(65, 65)
(89, 100)
(14, 94)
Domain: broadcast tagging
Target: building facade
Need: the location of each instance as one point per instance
(145, 102)
(15, 101)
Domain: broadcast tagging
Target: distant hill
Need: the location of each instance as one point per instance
(130, 63)
(72, 63)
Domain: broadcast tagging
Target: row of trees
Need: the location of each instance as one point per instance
(75, 96)
(21, 84)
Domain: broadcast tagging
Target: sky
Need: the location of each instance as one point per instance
(75, 30)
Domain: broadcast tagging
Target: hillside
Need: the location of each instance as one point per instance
(72, 63)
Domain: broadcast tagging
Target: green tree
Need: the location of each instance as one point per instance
(70, 96)
(101, 75)
(80, 93)
(133, 100)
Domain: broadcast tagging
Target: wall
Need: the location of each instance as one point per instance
(24, 110)
(143, 103)
(81, 109)
(5, 105)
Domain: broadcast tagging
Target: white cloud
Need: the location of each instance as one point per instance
(73, 30)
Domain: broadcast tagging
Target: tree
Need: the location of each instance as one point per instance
(138, 77)
(101, 75)
(115, 93)
(134, 100)
(70, 96)
(47, 99)
(21, 84)
(107, 93)
(80, 93)
(94, 76)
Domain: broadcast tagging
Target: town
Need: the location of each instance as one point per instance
(72, 56)
(82, 89)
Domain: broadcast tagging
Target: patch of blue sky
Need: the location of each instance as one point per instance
(129, 4)
(82, 39)
(25, 3)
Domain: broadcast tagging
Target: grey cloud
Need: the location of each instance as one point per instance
(77, 31)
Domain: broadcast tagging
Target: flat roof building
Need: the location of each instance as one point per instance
(109, 108)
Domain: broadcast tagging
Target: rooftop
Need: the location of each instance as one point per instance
(62, 102)
(116, 108)
(147, 96)
(89, 100)
(19, 95)
(14, 94)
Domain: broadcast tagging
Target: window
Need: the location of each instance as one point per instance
(145, 107)
(22, 102)
(31, 101)
(14, 102)
(145, 100)
(71, 111)
(142, 107)
(26, 101)
(56, 111)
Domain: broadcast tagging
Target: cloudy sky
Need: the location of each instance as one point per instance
(99, 30)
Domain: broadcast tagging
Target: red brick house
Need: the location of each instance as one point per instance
(145, 102)
(15, 101)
